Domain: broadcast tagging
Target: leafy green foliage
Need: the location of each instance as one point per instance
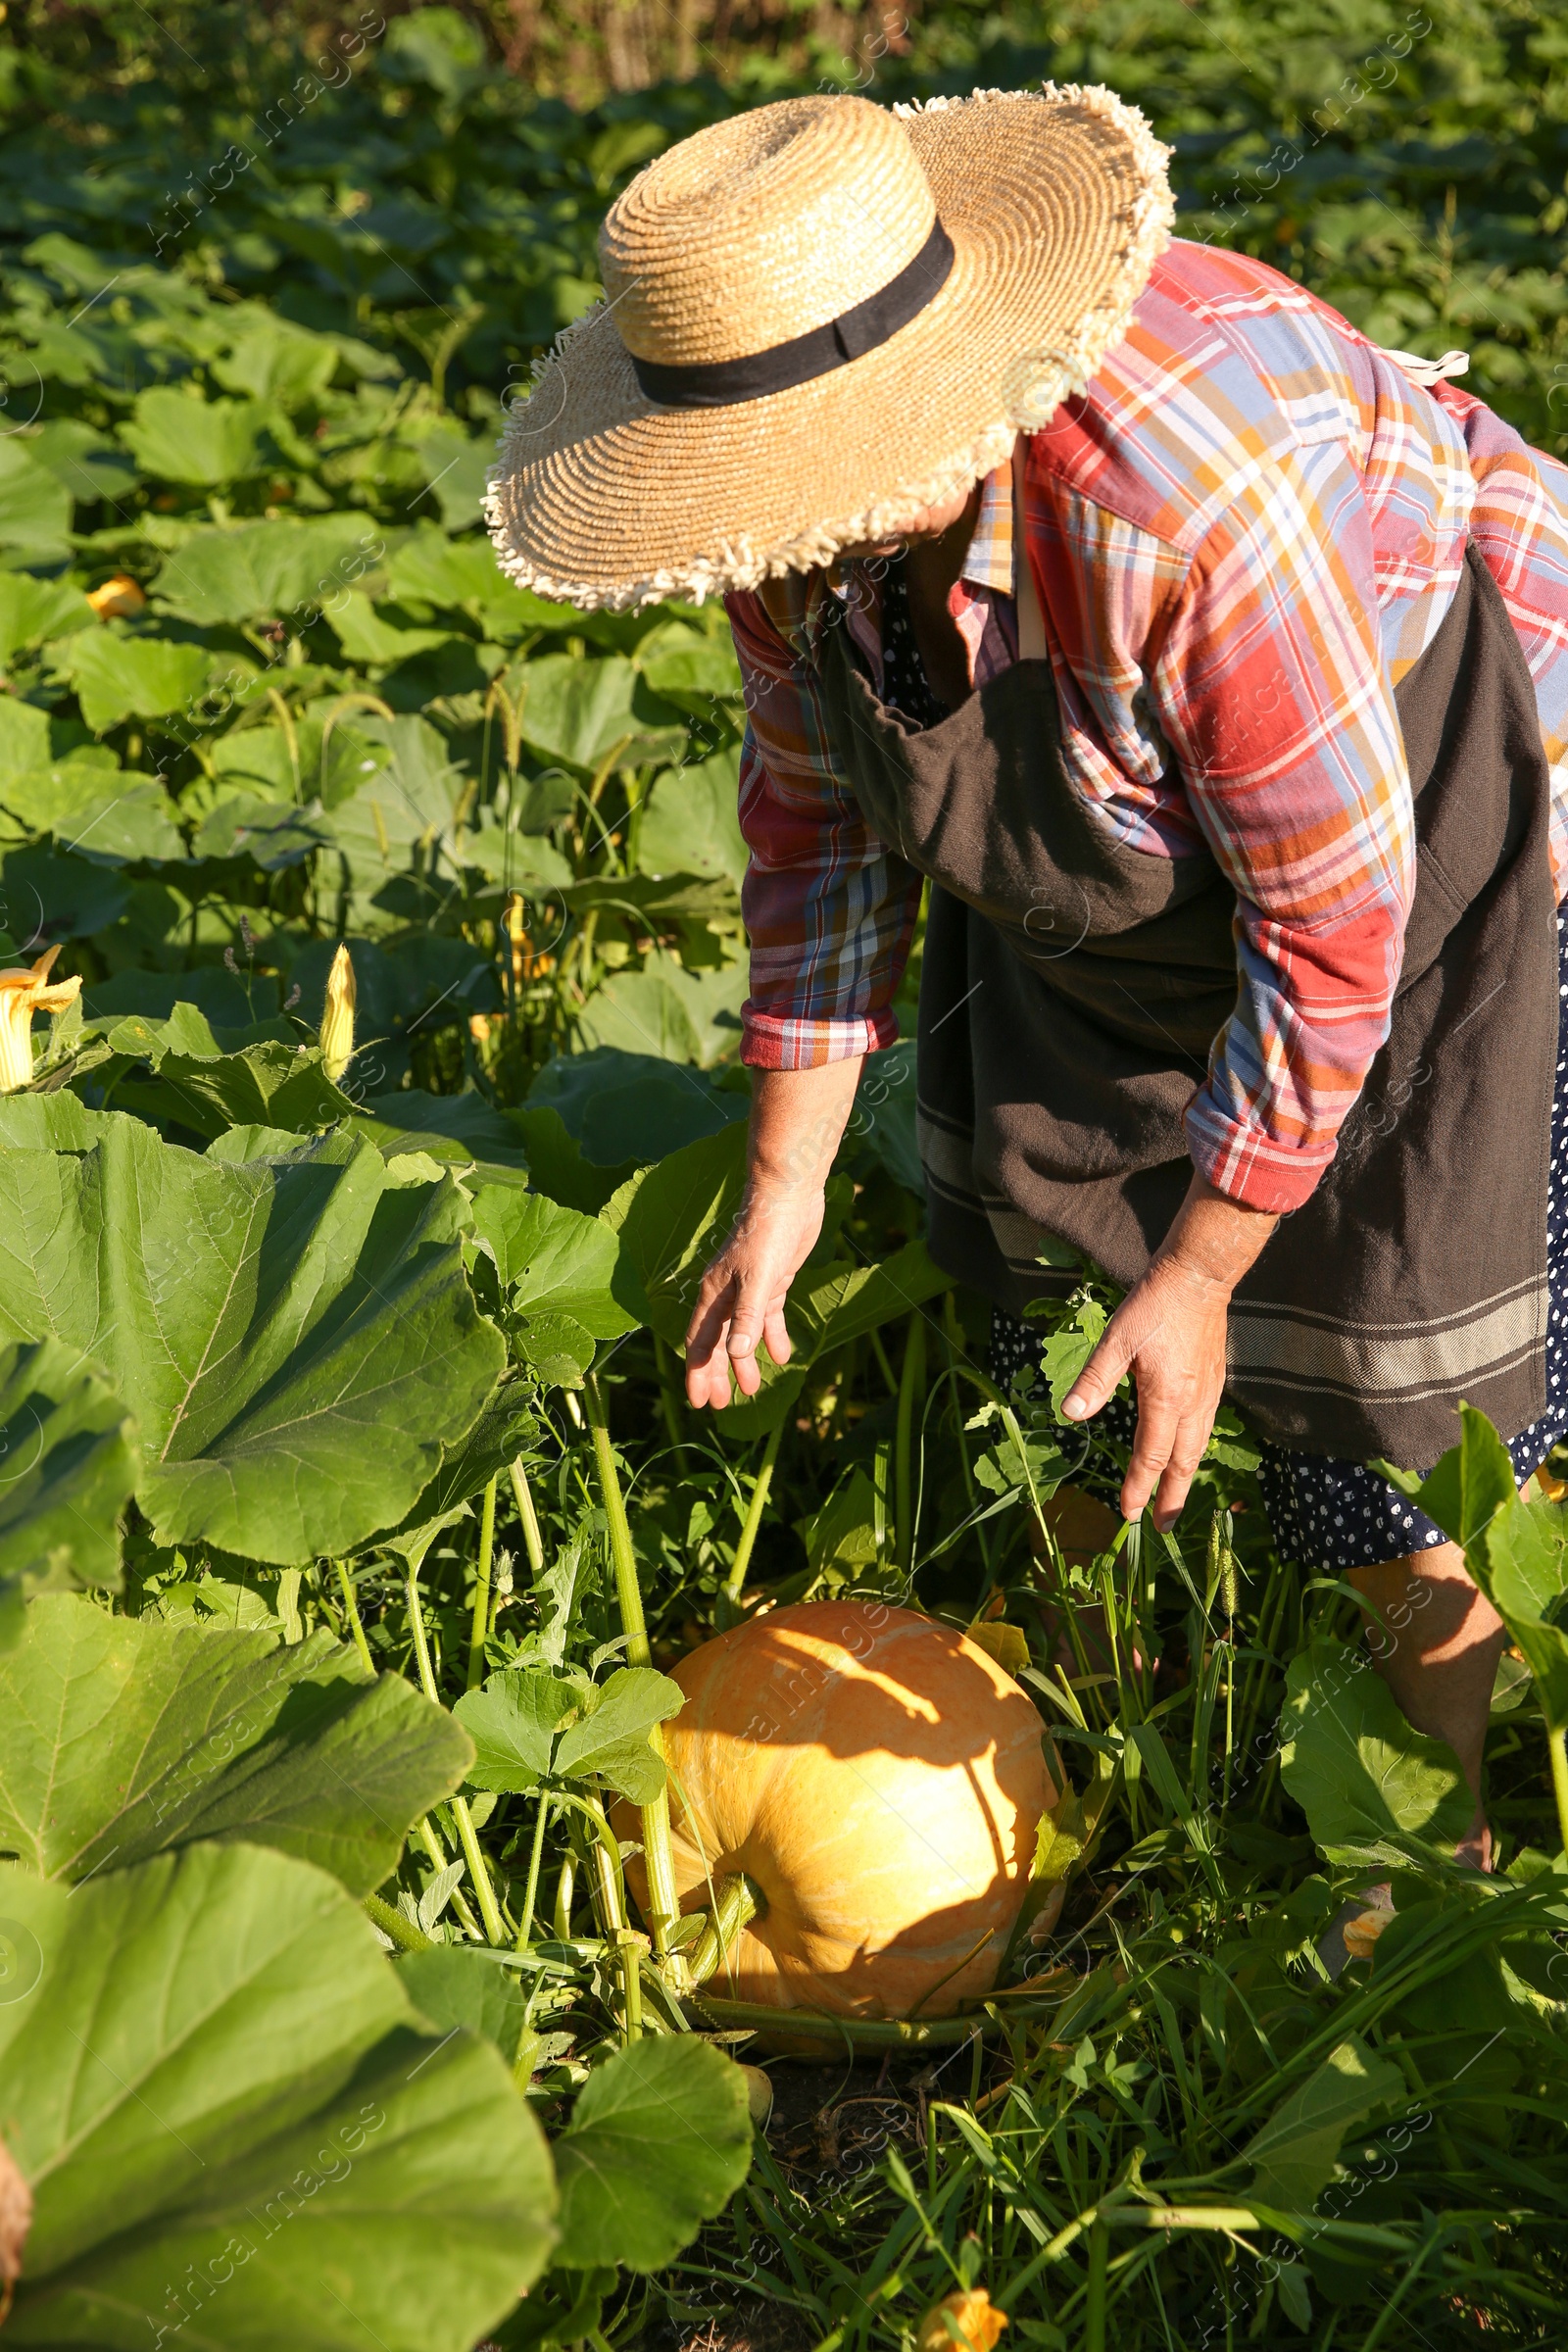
(556, 1267)
(1293, 2154)
(453, 1985)
(1362, 1777)
(529, 1727)
(225, 2106)
(68, 1456)
(659, 2139)
(262, 1318)
(124, 1737)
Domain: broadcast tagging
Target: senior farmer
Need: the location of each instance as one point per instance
(1211, 664)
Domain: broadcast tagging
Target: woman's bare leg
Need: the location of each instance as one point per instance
(1436, 1647)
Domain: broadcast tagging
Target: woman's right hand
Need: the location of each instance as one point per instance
(798, 1119)
(744, 1290)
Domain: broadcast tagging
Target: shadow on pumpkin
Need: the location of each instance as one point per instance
(881, 1781)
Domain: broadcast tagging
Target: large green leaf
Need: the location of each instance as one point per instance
(462, 1131)
(507, 1427)
(55, 895)
(275, 359)
(316, 758)
(121, 1737)
(1295, 2151)
(177, 438)
(120, 677)
(691, 666)
(581, 712)
(1516, 1551)
(85, 461)
(26, 739)
(34, 505)
(68, 1465)
(429, 568)
(232, 2124)
(272, 836)
(379, 634)
(266, 570)
(665, 1009)
(833, 1303)
(269, 1085)
(456, 1985)
(689, 824)
(32, 609)
(670, 1219)
(398, 814)
(1359, 1772)
(550, 1257)
(512, 1721)
(294, 1334)
(639, 1108)
(91, 804)
(658, 2142)
(518, 861)
(611, 1736)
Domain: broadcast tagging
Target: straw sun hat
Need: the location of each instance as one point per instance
(821, 316)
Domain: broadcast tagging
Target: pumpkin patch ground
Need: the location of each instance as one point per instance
(389, 1658)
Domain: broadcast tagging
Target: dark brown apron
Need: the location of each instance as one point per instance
(1070, 992)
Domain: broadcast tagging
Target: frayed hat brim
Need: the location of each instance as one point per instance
(1057, 206)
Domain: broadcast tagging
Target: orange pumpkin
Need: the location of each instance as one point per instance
(881, 1780)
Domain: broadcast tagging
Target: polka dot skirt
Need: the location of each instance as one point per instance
(1333, 1515)
(903, 680)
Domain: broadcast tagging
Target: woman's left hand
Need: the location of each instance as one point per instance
(1169, 1332)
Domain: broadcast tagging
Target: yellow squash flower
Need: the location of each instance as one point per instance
(22, 993)
(966, 2317)
(338, 1016)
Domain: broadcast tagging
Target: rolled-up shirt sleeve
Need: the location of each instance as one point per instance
(829, 910)
(1272, 691)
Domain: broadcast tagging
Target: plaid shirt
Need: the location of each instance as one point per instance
(1242, 535)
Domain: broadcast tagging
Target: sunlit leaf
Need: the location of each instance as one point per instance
(611, 1736)
(295, 1335)
(68, 1466)
(1295, 2151)
(659, 2140)
(264, 571)
(177, 438)
(121, 1737)
(34, 504)
(552, 1257)
(232, 2117)
(1355, 1765)
(512, 1721)
(120, 677)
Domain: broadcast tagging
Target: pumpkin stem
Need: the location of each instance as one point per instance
(738, 1902)
(659, 1852)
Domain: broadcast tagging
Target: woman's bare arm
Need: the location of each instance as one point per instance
(798, 1119)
